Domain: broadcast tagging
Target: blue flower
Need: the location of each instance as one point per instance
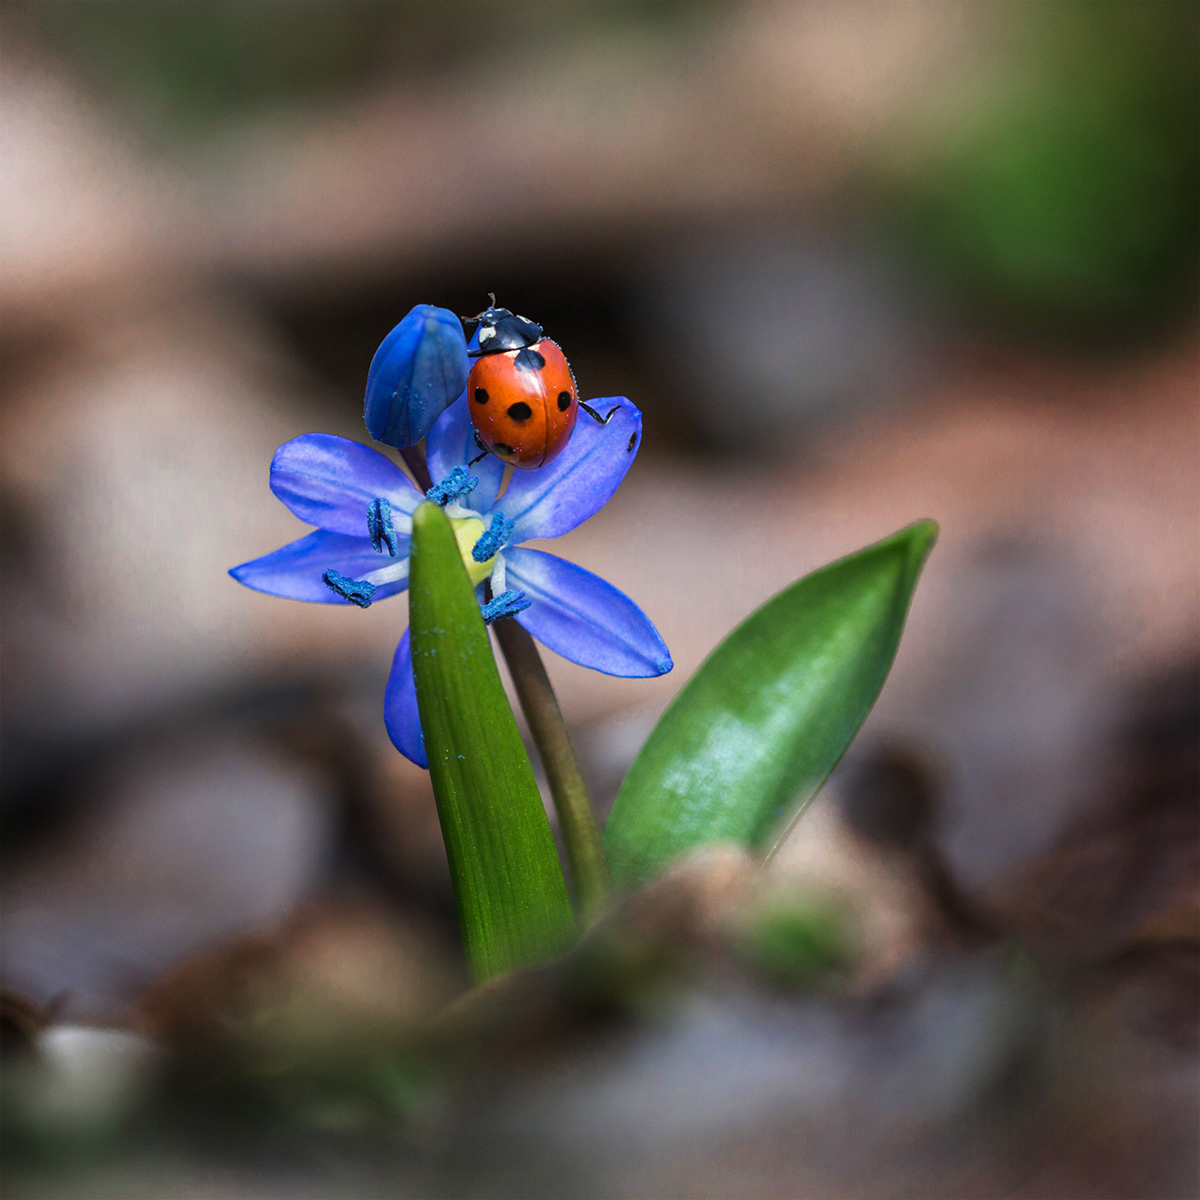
(362, 506)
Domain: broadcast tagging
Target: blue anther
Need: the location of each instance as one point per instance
(507, 604)
(379, 526)
(493, 539)
(357, 591)
(457, 483)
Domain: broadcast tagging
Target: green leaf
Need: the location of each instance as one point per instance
(512, 899)
(758, 728)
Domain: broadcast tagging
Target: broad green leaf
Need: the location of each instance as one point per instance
(512, 899)
(758, 728)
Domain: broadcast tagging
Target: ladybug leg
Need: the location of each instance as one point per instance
(600, 420)
(482, 447)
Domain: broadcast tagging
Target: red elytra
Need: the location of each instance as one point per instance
(524, 403)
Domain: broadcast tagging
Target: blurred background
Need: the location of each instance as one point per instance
(858, 263)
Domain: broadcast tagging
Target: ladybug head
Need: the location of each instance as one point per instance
(501, 330)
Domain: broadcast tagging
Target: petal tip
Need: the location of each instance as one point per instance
(416, 760)
(417, 757)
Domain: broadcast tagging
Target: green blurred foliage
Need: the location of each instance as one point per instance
(798, 942)
(184, 68)
(1060, 190)
(179, 67)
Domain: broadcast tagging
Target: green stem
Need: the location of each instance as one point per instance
(581, 832)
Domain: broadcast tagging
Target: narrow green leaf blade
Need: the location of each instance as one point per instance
(512, 899)
(758, 728)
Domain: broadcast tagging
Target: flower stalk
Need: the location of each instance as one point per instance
(362, 549)
(414, 460)
(577, 818)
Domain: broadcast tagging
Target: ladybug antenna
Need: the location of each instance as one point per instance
(479, 316)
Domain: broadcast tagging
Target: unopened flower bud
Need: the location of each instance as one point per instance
(419, 370)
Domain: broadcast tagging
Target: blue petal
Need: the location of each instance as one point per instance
(331, 482)
(419, 370)
(451, 443)
(400, 707)
(296, 570)
(552, 501)
(583, 618)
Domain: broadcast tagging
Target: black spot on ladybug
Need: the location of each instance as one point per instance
(520, 411)
(529, 360)
(481, 396)
(632, 442)
(501, 448)
(564, 401)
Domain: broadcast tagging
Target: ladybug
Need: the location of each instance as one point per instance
(522, 395)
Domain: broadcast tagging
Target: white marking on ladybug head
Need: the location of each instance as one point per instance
(486, 331)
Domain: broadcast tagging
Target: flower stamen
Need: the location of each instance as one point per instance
(507, 604)
(380, 528)
(357, 591)
(493, 539)
(392, 573)
(457, 484)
